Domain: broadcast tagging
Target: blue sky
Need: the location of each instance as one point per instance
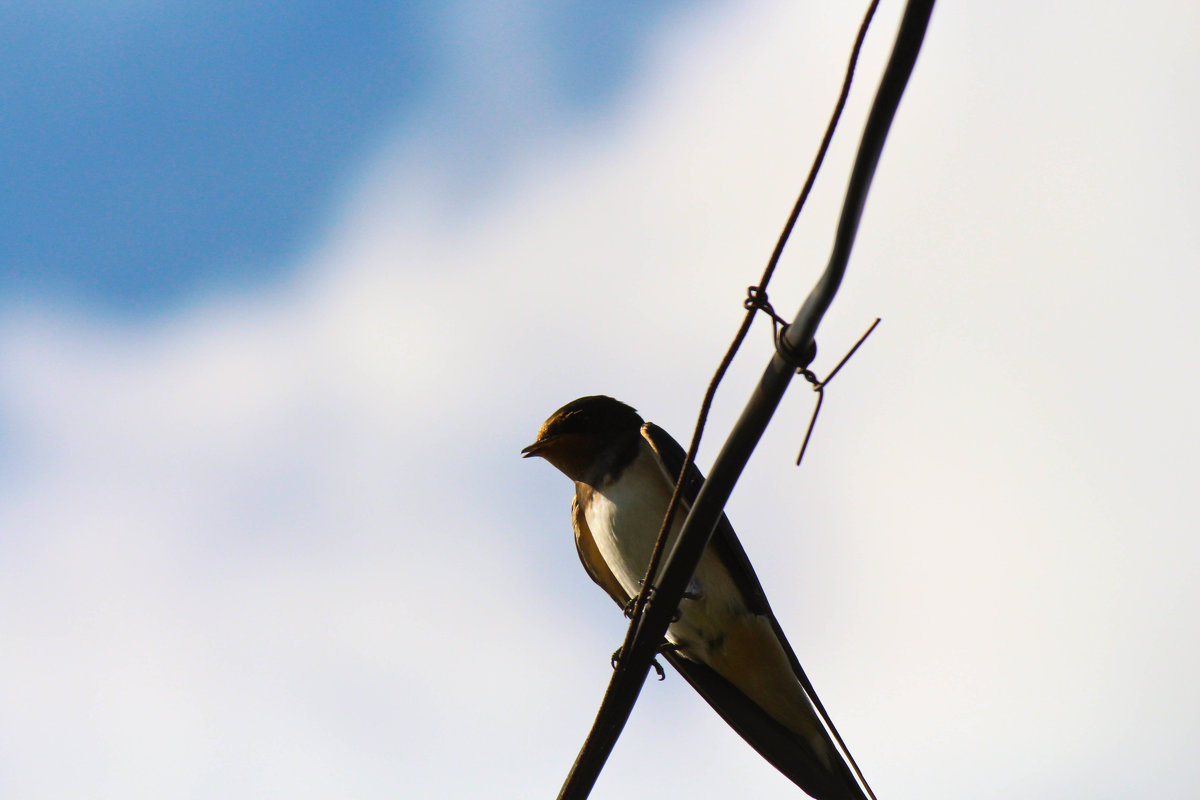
(156, 152)
(285, 290)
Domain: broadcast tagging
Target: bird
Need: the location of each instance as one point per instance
(724, 639)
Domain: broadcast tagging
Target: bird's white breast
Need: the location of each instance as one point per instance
(625, 516)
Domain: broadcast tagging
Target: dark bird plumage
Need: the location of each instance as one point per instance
(726, 643)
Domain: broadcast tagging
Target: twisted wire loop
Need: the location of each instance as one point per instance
(757, 300)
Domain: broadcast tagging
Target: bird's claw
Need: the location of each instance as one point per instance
(615, 661)
(645, 595)
(665, 647)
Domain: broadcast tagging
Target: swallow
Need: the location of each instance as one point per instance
(725, 640)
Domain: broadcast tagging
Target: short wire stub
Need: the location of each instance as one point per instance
(819, 385)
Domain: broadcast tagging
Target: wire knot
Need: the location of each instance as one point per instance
(757, 300)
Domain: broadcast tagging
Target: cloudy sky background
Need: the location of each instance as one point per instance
(284, 289)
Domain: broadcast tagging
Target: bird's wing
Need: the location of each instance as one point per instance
(724, 541)
(593, 563)
(783, 748)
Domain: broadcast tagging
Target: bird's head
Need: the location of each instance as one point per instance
(588, 437)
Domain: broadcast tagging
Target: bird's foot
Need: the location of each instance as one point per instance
(663, 649)
(615, 660)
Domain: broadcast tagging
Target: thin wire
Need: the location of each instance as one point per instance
(702, 419)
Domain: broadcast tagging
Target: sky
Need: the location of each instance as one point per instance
(285, 288)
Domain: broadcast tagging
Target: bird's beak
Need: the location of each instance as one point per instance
(536, 448)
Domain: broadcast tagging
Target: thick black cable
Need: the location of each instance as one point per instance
(651, 626)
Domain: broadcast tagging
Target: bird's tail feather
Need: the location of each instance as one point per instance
(784, 749)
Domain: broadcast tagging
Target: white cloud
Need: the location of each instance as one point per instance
(283, 546)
